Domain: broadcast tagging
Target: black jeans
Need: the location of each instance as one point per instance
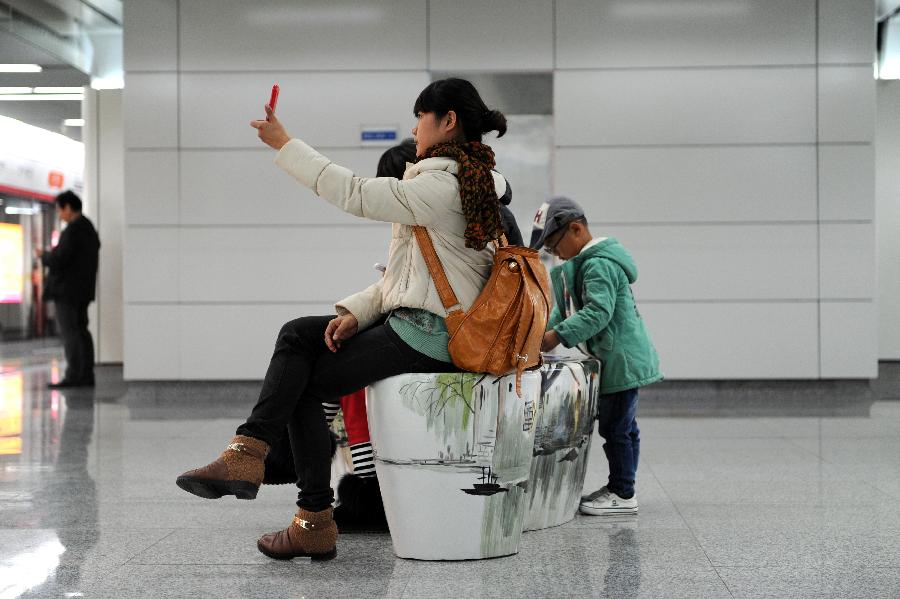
(303, 373)
(72, 319)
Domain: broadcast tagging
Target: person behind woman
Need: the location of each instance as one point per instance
(395, 326)
(510, 227)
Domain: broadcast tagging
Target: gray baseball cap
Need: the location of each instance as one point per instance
(551, 217)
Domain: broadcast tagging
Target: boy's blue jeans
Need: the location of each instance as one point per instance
(617, 424)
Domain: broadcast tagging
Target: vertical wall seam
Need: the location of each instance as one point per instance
(98, 350)
(553, 36)
(818, 199)
(178, 179)
(554, 148)
(428, 36)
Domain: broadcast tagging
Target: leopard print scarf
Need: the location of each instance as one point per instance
(480, 205)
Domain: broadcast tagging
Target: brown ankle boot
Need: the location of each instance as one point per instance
(238, 471)
(311, 534)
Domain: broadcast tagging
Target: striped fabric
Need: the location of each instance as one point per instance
(331, 410)
(363, 460)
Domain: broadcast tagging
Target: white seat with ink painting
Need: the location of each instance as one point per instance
(454, 457)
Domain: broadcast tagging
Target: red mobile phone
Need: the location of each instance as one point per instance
(273, 100)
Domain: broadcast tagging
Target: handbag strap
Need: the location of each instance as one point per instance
(438, 275)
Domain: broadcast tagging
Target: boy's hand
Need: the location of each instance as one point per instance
(551, 340)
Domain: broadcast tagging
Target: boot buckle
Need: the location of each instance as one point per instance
(237, 447)
(305, 524)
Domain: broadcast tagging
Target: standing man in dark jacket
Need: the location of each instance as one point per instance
(71, 284)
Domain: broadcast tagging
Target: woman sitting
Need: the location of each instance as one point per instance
(395, 326)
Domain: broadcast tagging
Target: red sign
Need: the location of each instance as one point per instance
(55, 179)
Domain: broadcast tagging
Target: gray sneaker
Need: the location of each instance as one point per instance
(609, 504)
(594, 495)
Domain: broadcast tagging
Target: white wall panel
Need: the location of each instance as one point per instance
(460, 40)
(242, 349)
(619, 33)
(745, 262)
(887, 153)
(246, 187)
(275, 264)
(848, 261)
(151, 187)
(323, 109)
(847, 182)
(151, 264)
(685, 106)
(152, 342)
(284, 35)
(150, 35)
(151, 101)
(846, 104)
(849, 340)
(774, 183)
(735, 341)
(846, 31)
(110, 217)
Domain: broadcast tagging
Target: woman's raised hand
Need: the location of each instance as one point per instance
(340, 329)
(270, 130)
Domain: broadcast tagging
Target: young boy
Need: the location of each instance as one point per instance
(595, 311)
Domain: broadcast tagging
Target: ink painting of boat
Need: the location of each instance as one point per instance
(488, 484)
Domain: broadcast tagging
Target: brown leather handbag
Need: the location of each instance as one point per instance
(503, 330)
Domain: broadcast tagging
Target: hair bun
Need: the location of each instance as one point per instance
(493, 120)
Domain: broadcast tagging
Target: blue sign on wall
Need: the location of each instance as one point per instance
(378, 135)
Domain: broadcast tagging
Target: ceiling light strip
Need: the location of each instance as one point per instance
(20, 68)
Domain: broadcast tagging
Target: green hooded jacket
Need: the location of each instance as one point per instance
(604, 320)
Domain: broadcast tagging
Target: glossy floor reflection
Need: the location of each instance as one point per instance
(798, 503)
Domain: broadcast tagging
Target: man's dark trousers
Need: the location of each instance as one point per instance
(72, 318)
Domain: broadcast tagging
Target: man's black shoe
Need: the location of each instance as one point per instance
(61, 385)
(69, 384)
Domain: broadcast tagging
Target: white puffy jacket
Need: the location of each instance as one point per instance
(428, 195)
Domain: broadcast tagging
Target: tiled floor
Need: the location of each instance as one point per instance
(800, 498)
